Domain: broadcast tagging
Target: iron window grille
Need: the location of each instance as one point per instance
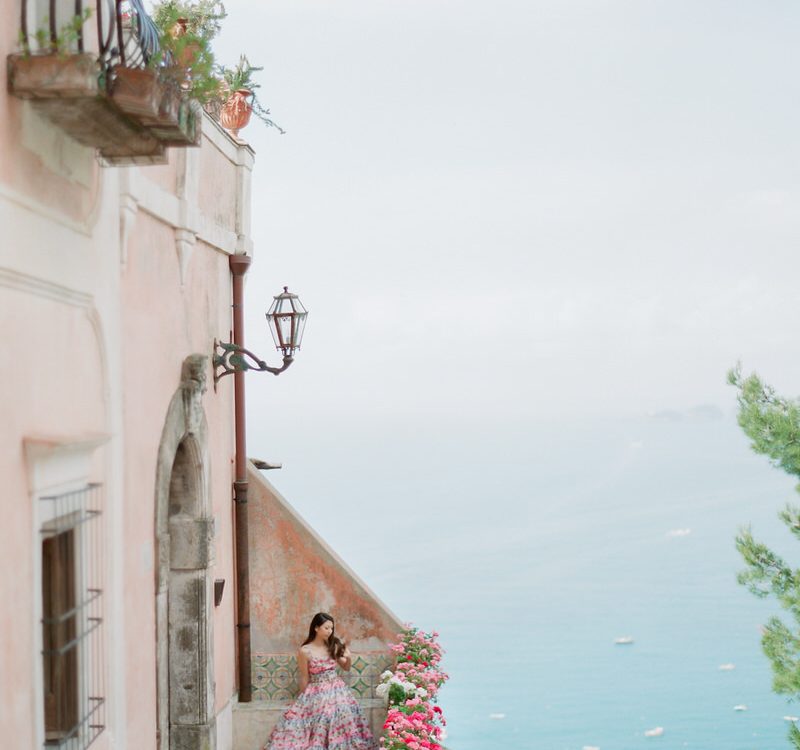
(72, 618)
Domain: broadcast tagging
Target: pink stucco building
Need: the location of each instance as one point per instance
(118, 627)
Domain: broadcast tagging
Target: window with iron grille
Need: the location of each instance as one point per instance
(72, 618)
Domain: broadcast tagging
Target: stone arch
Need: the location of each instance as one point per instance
(184, 541)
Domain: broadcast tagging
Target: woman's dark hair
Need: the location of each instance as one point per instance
(335, 645)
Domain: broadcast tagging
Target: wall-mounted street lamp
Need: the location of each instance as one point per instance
(286, 318)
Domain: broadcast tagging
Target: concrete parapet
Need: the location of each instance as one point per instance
(293, 575)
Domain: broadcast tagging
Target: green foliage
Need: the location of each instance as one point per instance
(771, 422)
(202, 18)
(773, 425)
(66, 38)
(766, 572)
(187, 30)
(241, 77)
(397, 694)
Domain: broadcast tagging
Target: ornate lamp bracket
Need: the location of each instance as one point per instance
(230, 358)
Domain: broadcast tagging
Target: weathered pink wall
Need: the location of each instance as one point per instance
(218, 190)
(47, 392)
(294, 574)
(165, 175)
(134, 309)
(23, 168)
(186, 318)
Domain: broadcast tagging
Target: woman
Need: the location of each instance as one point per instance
(325, 715)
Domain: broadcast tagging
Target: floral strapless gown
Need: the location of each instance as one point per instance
(325, 716)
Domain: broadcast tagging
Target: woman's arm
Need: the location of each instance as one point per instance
(345, 660)
(302, 670)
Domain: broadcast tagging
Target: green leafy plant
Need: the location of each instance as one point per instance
(773, 425)
(66, 38)
(241, 78)
(186, 32)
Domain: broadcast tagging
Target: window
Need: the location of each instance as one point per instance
(59, 615)
(72, 649)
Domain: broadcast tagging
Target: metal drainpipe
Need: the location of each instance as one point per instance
(239, 265)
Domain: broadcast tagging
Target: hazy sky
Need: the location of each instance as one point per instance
(503, 215)
(522, 207)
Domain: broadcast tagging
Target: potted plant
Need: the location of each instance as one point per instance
(240, 100)
(155, 100)
(54, 68)
(162, 95)
(186, 32)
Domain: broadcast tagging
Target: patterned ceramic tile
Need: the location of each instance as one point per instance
(275, 676)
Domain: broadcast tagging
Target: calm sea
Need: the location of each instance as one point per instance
(532, 547)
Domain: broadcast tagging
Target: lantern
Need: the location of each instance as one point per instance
(287, 320)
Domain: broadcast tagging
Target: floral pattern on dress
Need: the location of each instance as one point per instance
(325, 716)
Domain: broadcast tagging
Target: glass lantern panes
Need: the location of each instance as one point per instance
(287, 319)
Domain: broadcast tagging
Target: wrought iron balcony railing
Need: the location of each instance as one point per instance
(126, 35)
(96, 69)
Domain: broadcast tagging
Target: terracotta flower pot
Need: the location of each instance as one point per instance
(137, 92)
(188, 55)
(52, 75)
(188, 51)
(236, 111)
(179, 27)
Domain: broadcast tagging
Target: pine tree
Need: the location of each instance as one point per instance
(773, 425)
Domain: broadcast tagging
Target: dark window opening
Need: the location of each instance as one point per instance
(60, 651)
(72, 618)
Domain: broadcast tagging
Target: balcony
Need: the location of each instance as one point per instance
(113, 89)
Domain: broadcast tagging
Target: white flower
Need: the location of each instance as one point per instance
(382, 689)
(422, 693)
(388, 674)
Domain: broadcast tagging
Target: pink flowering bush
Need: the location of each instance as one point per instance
(414, 721)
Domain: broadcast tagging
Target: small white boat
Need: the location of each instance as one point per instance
(497, 716)
(625, 640)
(791, 718)
(727, 667)
(740, 707)
(657, 732)
(590, 747)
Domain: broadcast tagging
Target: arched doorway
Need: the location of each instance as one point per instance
(184, 538)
